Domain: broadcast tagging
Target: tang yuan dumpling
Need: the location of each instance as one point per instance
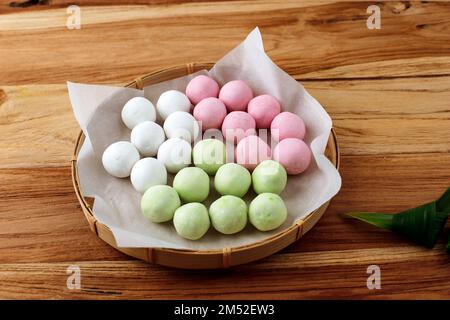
(293, 154)
(209, 155)
(228, 214)
(236, 95)
(232, 179)
(158, 204)
(269, 176)
(263, 109)
(137, 110)
(119, 158)
(147, 137)
(148, 172)
(182, 125)
(267, 212)
(172, 101)
(192, 184)
(251, 151)
(237, 125)
(191, 221)
(287, 125)
(175, 153)
(202, 87)
(210, 113)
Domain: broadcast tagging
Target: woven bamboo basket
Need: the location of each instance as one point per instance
(205, 259)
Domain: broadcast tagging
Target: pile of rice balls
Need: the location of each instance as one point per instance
(225, 129)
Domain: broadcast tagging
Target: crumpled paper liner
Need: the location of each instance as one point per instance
(117, 205)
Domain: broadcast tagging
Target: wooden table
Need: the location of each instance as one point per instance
(387, 90)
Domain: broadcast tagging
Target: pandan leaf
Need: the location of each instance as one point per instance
(378, 219)
(443, 203)
(422, 224)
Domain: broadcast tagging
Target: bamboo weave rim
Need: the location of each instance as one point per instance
(200, 259)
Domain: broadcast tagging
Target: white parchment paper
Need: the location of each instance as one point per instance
(117, 204)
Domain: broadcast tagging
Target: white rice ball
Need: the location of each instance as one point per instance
(172, 101)
(119, 158)
(181, 125)
(137, 110)
(175, 153)
(147, 137)
(148, 172)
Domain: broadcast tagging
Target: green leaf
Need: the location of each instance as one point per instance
(422, 224)
(443, 203)
(381, 220)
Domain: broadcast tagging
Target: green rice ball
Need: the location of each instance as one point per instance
(192, 184)
(267, 212)
(228, 214)
(191, 221)
(232, 179)
(269, 176)
(209, 155)
(158, 204)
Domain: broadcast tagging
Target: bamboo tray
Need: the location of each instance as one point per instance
(205, 259)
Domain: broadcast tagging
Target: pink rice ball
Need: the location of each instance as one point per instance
(210, 113)
(237, 125)
(251, 151)
(263, 109)
(202, 87)
(287, 125)
(293, 154)
(236, 95)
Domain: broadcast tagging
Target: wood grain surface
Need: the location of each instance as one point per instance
(387, 90)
